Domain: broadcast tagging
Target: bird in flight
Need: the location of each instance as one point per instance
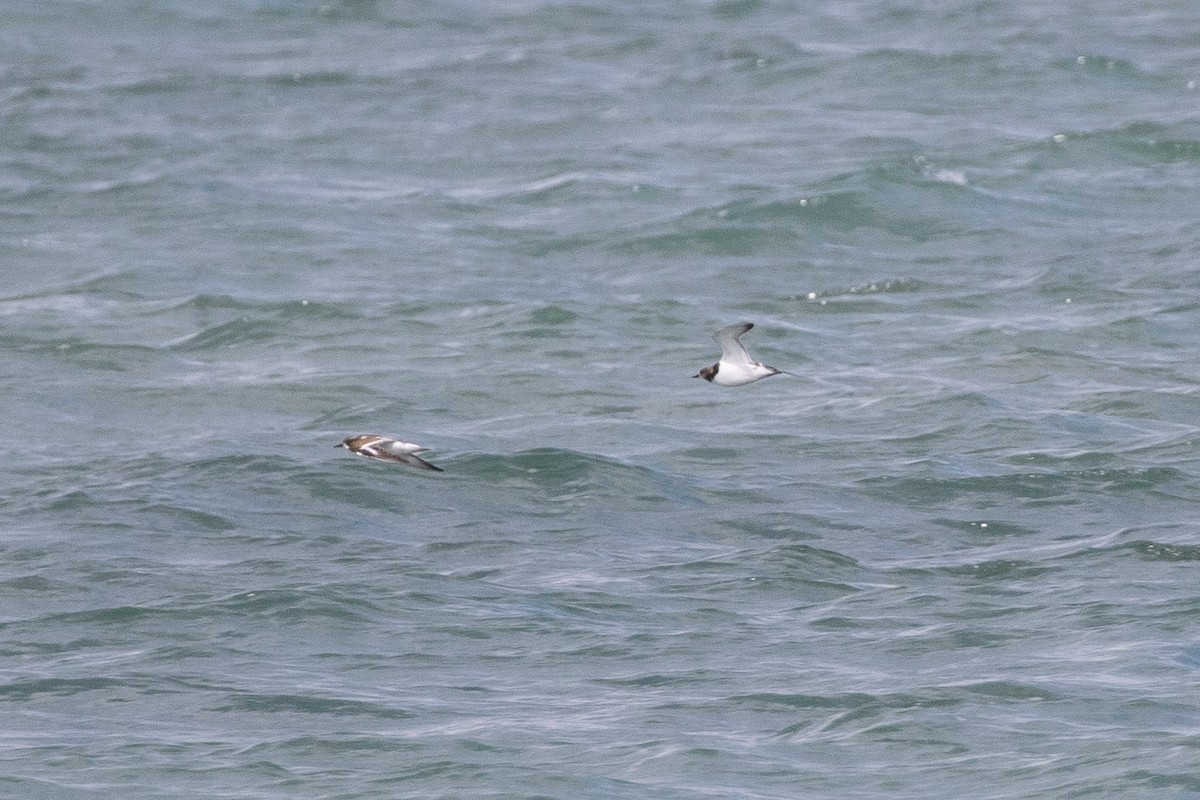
(382, 448)
(736, 367)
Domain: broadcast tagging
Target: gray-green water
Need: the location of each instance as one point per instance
(958, 558)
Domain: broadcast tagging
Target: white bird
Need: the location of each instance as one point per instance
(385, 449)
(736, 367)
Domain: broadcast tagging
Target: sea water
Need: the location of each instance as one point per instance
(956, 557)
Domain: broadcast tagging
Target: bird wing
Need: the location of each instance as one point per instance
(419, 463)
(378, 451)
(731, 349)
(381, 453)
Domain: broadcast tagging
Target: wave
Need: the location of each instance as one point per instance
(572, 477)
(1066, 487)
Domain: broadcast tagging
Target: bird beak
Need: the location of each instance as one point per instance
(343, 444)
(697, 375)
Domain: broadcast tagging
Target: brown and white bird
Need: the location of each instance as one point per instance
(382, 448)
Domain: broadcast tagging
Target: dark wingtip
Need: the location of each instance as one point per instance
(420, 463)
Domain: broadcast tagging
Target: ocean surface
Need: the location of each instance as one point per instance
(958, 556)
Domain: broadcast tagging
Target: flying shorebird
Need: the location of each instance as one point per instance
(384, 449)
